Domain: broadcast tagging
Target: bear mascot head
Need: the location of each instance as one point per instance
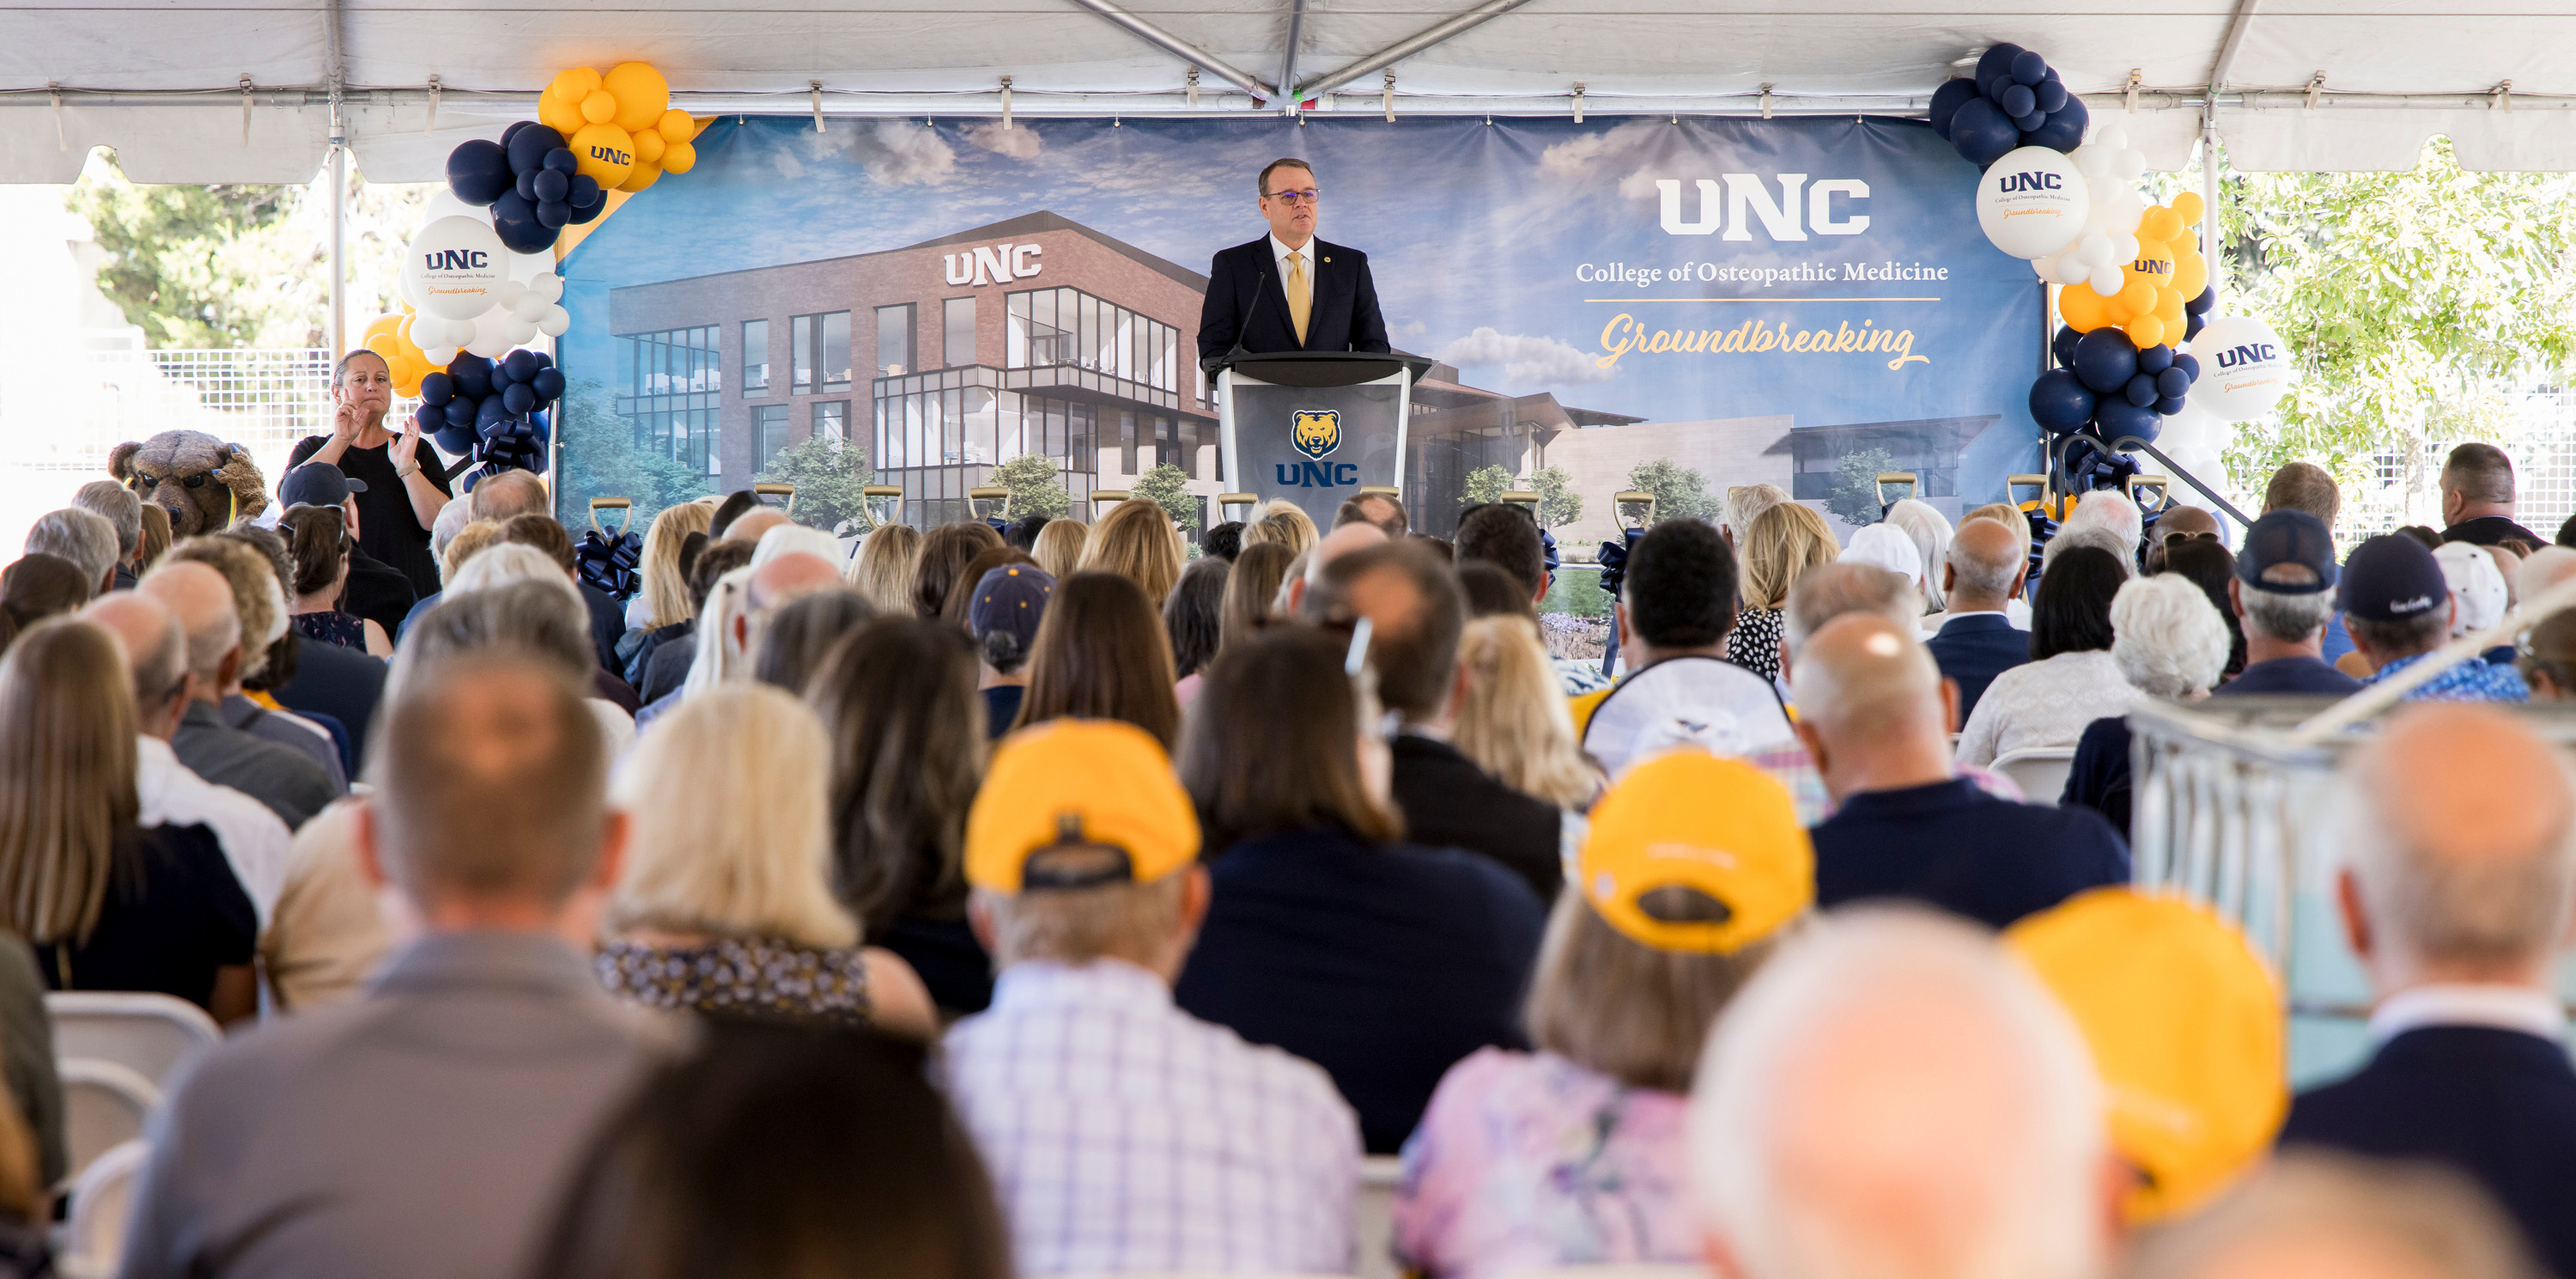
(203, 482)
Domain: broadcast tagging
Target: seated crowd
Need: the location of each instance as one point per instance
(1047, 899)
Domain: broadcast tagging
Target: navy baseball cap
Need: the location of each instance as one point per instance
(317, 484)
(2392, 578)
(1011, 598)
(2287, 537)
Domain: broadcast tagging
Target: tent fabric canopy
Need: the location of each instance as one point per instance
(240, 90)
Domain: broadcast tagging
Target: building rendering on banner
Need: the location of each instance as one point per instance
(954, 355)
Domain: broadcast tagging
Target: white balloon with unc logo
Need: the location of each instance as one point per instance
(2032, 203)
(2244, 369)
(455, 267)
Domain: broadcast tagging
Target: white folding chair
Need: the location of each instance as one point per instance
(149, 1034)
(104, 1104)
(1373, 1216)
(2040, 771)
(92, 1242)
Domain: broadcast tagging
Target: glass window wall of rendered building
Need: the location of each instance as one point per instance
(670, 383)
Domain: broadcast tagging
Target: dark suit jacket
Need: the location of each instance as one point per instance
(2498, 1105)
(1247, 300)
(1448, 802)
(378, 592)
(342, 683)
(1974, 650)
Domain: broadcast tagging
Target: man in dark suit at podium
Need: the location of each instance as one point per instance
(1289, 291)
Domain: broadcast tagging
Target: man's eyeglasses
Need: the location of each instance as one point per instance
(1307, 196)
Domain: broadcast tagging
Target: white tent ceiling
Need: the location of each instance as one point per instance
(240, 90)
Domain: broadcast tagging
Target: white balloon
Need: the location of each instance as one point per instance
(2094, 249)
(2072, 270)
(2125, 208)
(2092, 161)
(2112, 137)
(2109, 280)
(2129, 163)
(491, 334)
(444, 204)
(455, 265)
(2032, 202)
(511, 292)
(442, 356)
(531, 306)
(528, 266)
(549, 284)
(2124, 248)
(405, 289)
(556, 322)
(2244, 369)
(522, 331)
(2045, 268)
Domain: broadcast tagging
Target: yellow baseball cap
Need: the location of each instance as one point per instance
(1079, 781)
(2186, 1026)
(1718, 828)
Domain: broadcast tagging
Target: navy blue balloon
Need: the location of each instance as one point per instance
(2170, 405)
(455, 439)
(512, 131)
(549, 383)
(2173, 384)
(515, 221)
(583, 213)
(2017, 100)
(1997, 61)
(1945, 102)
(1981, 134)
(473, 375)
(2060, 402)
(521, 365)
(2105, 360)
(2192, 325)
(2063, 346)
(552, 214)
(2029, 68)
(585, 190)
(2115, 418)
(492, 413)
(2201, 305)
(529, 147)
(518, 397)
(1993, 88)
(544, 361)
(2050, 95)
(430, 418)
(459, 412)
(2155, 359)
(561, 161)
(2029, 124)
(478, 172)
(549, 184)
(2065, 128)
(2141, 390)
(526, 184)
(437, 389)
(2188, 363)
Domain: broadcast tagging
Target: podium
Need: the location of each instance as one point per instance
(1314, 427)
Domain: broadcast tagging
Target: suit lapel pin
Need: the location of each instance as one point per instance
(1328, 257)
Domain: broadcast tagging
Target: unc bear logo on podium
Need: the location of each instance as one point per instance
(1317, 432)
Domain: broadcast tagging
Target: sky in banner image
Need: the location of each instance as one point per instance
(1754, 299)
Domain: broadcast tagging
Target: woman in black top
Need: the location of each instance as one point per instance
(108, 904)
(406, 483)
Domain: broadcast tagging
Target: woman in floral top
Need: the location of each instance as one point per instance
(1576, 1154)
(724, 904)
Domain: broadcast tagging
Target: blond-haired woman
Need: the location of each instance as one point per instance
(1136, 541)
(1286, 525)
(1514, 722)
(1782, 545)
(1058, 549)
(882, 571)
(725, 902)
(664, 601)
(108, 903)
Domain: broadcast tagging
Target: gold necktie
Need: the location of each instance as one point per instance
(1301, 301)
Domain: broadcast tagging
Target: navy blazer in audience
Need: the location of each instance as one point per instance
(1954, 846)
(342, 683)
(2496, 1104)
(1383, 965)
(2290, 676)
(1974, 650)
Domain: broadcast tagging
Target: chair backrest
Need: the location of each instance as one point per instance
(150, 1034)
(93, 1241)
(104, 1104)
(2040, 771)
(1373, 1216)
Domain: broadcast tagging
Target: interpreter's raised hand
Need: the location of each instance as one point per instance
(346, 422)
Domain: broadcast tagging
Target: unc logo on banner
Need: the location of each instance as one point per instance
(1317, 432)
(2245, 370)
(2033, 203)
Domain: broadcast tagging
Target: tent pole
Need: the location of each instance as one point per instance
(1179, 48)
(2209, 240)
(1288, 59)
(1402, 49)
(339, 338)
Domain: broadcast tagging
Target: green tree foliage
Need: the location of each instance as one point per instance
(1854, 495)
(1487, 484)
(2412, 302)
(828, 473)
(1168, 486)
(1680, 493)
(1037, 488)
(601, 459)
(1558, 503)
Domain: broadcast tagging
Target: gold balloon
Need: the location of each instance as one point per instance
(648, 146)
(2153, 267)
(2191, 275)
(641, 176)
(2159, 225)
(600, 107)
(2083, 309)
(642, 95)
(605, 152)
(561, 116)
(572, 84)
(2190, 208)
(2169, 308)
(2146, 331)
(676, 126)
(679, 157)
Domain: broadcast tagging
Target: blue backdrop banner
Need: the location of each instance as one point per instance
(1795, 302)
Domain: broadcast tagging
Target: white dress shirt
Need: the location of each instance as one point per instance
(2044, 704)
(253, 839)
(2499, 1007)
(1279, 262)
(1126, 1136)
